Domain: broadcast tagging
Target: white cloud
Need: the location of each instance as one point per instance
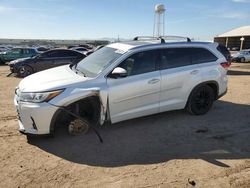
(241, 1)
(4, 9)
(235, 15)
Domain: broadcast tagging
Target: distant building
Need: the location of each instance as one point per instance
(237, 39)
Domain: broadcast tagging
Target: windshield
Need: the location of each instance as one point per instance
(95, 63)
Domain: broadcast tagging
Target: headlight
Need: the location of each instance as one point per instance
(38, 97)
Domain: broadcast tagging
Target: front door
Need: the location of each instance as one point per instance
(137, 94)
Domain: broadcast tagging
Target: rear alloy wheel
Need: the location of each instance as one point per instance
(78, 127)
(25, 71)
(242, 60)
(201, 100)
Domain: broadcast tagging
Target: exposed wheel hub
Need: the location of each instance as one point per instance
(78, 127)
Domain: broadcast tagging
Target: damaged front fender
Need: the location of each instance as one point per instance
(71, 96)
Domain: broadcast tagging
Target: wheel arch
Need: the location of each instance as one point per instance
(92, 101)
(213, 84)
(27, 65)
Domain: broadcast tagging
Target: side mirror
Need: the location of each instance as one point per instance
(118, 72)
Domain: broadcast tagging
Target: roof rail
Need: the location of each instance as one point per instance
(149, 37)
(172, 37)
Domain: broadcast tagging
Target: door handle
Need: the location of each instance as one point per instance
(153, 81)
(194, 72)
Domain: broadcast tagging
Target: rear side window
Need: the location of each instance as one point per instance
(179, 57)
(55, 53)
(201, 55)
(71, 54)
(222, 49)
(175, 57)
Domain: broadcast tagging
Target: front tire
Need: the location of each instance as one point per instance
(24, 71)
(201, 100)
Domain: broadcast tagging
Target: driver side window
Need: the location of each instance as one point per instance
(140, 63)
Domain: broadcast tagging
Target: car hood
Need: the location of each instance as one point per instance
(51, 79)
(20, 60)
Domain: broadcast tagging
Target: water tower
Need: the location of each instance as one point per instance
(159, 20)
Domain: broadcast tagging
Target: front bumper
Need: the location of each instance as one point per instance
(34, 118)
(13, 69)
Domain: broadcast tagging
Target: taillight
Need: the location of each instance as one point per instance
(225, 65)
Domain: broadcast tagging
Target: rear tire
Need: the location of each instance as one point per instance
(242, 60)
(200, 100)
(24, 71)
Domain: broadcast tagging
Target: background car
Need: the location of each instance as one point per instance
(17, 53)
(42, 49)
(46, 60)
(4, 49)
(242, 56)
(87, 53)
(80, 49)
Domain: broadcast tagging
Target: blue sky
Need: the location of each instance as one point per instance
(90, 19)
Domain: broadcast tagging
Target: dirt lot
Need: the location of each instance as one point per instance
(172, 149)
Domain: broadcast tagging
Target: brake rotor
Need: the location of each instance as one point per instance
(78, 127)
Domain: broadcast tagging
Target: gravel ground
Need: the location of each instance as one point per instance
(172, 149)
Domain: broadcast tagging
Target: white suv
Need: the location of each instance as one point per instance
(123, 81)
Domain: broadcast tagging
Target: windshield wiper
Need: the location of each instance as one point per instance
(78, 71)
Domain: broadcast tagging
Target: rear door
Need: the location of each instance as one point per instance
(177, 75)
(137, 94)
(181, 70)
(45, 60)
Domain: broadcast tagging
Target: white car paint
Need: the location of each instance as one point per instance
(121, 99)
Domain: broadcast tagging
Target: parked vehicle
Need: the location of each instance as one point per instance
(42, 49)
(87, 53)
(122, 81)
(53, 58)
(242, 56)
(4, 49)
(79, 49)
(17, 53)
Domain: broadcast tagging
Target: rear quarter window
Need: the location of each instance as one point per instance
(201, 55)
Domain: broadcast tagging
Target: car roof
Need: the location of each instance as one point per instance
(129, 45)
(62, 49)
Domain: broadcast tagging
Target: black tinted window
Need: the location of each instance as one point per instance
(140, 63)
(201, 55)
(175, 57)
(55, 53)
(71, 54)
